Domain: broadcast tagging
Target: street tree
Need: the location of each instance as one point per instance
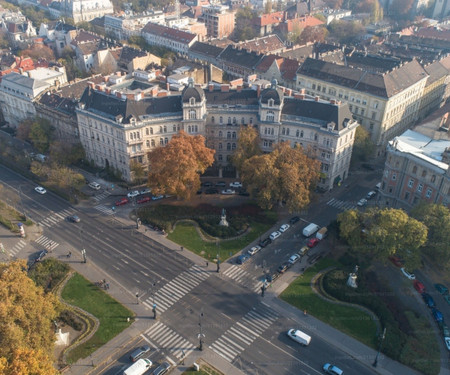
(38, 131)
(26, 314)
(37, 52)
(313, 34)
(383, 233)
(248, 145)
(285, 175)
(363, 147)
(26, 361)
(346, 32)
(437, 219)
(139, 172)
(176, 168)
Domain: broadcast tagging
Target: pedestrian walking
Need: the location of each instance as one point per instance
(207, 264)
(304, 312)
(107, 285)
(69, 254)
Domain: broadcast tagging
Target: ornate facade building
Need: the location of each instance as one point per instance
(120, 122)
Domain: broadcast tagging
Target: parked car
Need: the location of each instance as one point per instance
(95, 186)
(228, 192)
(294, 259)
(143, 200)
(294, 220)
(396, 260)
(145, 191)
(139, 352)
(283, 267)
(371, 194)
(331, 369)
(122, 201)
(235, 184)
(447, 342)
(419, 286)
(212, 191)
(40, 190)
(437, 315)
(429, 301)
(133, 194)
(242, 258)
(41, 255)
(362, 202)
(254, 250)
(221, 184)
(161, 369)
(157, 197)
(207, 184)
(441, 288)
(410, 276)
(244, 193)
(265, 242)
(274, 235)
(447, 298)
(444, 329)
(284, 228)
(74, 219)
(312, 242)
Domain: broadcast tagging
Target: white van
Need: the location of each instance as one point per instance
(310, 229)
(94, 186)
(299, 336)
(139, 367)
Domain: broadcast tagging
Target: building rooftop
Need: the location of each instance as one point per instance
(168, 32)
(265, 44)
(206, 49)
(240, 57)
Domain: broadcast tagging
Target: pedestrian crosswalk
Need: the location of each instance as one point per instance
(243, 277)
(176, 289)
(101, 196)
(17, 247)
(242, 334)
(107, 210)
(47, 243)
(162, 337)
(55, 218)
(341, 205)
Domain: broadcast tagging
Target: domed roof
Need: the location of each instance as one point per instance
(193, 92)
(272, 93)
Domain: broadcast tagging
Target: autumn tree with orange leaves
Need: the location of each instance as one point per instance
(176, 168)
(26, 329)
(285, 175)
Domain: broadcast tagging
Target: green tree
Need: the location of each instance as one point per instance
(243, 29)
(248, 145)
(41, 134)
(437, 219)
(346, 32)
(285, 175)
(139, 172)
(401, 9)
(363, 147)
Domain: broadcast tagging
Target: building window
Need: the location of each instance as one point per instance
(251, 120)
(174, 128)
(414, 170)
(428, 194)
(301, 134)
(410, 183)
(394, 176)
(420, 188)
(374, 114)
(220, 146)
(220, 157)
(220, 134)
(242, 121)
(406, 195)
(270, 116)
(221, 120)
(192, 114)
(147, 132)
(212, 120)
(233, 135)
(233, 146)
(228, 146)
(229, 120)
(228, 135)
(297, 133)
(147, 143)
(234, 121)
(153, 143)
(424, 173)
(166, 140)
(161, 141)
(433, 178)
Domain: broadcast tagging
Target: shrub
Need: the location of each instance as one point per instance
(48, 273)
(71, 319)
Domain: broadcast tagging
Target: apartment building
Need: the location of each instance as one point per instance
(163, 36)
(218, 19)
(386, 104)
(417, 165)
(120, 122)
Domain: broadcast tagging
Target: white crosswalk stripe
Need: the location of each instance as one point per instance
(242, 334)
(243, 277)
(176, 289)
(105, 209)
(341, 205)
(102, 196)
(47, 243)
(55, 218)
(17, 247)
(166, 338)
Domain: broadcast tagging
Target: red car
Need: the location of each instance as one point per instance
(143, 200)
(419, 286)
(313, 242)
(122, 201)
(396, 260)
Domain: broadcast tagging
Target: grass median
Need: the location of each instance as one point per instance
(347, 319)
(110, 313)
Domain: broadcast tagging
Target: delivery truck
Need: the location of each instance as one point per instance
(322, 233)
(139, 367)
(310, 229)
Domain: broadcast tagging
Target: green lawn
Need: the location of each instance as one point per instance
(186, 235)
(111, 314)
(349, 320)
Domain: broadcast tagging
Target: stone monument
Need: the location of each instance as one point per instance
(351, 281)
(223, 218)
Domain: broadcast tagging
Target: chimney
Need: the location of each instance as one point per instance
(130, 96)
(154, 91)
(302, 91)
(168, 86)
(211, 87)
(91, 84)
(258, 90)
(289, 92)
(99, 87)
(162, 93)
(316, 98)
(333, 101)
(239, 88)
(108, 90)
(118, 94)
(224, 88)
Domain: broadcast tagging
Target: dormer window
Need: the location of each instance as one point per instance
(271, 102)
(192, 101)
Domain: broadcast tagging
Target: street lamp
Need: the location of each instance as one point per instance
(200, 335)
(21, 202)
(375, 363)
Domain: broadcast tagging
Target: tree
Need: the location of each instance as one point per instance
(23, 130)
(363, 147)
(66, 153)
(26, 316)
(37, 52)
(243, 29)
(176, 168)
(437, 219)
(313, 34)
(378, 234)
(401, 8)
(248, 146)
(268, 7)
(138, 170)
(285, 175)
(27, 361)
(334, 4)
(346, 32)
(41, 134)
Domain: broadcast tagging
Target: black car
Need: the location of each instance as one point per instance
(242, 258)
(41, 255)
(244, 193)
(283, 267)
(212, 191)
(265, 242)
(207, 184)
(293, 220)
(429, 301)
(161, 369)
(74, 219)
(221, 184)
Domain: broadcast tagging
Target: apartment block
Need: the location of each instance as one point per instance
(218, 19)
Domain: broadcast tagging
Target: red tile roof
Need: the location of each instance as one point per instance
(431, 32)
(269, 19)
(168, 32)
(302, 23)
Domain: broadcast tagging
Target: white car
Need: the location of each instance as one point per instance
(447, 342)
(235, 184)
(228, 192)
(254, 250)
(410, 276)
(95, 186)
(371, 194)
(145, 191)
(274, 235)
(362, 202)
(284, 228)
(40, 190)
(294, 259)
(133, 194)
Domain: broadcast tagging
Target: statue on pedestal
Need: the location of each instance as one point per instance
(351, 281)
(223, 218)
